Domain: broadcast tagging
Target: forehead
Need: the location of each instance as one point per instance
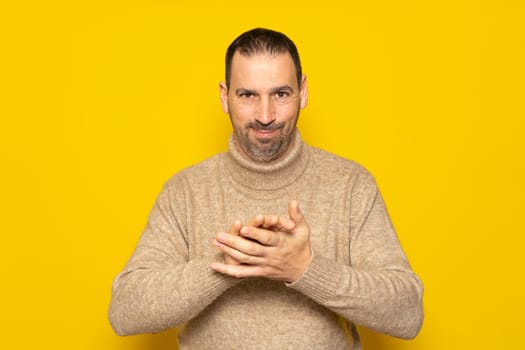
(264, 68)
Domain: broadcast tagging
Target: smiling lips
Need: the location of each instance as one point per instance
(266, 131)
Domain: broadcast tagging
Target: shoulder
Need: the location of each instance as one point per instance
(199, 173)
(341, 174)
(330, 163)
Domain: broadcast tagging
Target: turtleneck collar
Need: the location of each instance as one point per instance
(263, 177)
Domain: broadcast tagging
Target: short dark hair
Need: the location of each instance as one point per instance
(262, 40)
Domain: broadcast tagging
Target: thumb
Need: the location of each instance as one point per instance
(295, 212)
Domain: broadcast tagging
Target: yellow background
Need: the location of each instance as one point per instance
(101, 102)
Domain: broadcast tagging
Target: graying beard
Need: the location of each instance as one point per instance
(266, 155)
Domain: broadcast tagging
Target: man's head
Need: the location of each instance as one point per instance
(262, 41)
(263, 93)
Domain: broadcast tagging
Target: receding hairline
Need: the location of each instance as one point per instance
(253, 55)
(260, 41)
(262, 53)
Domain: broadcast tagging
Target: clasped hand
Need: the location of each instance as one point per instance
(267, 246)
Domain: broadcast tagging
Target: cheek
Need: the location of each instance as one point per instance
(238, 118)
(290, 113)
(242, 111)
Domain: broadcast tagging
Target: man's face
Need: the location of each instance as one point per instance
(263, 102)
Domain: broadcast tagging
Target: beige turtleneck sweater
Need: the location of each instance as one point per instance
(358, 273)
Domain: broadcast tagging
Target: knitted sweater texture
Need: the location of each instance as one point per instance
(358, 273)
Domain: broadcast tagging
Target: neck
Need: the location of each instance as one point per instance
(260, 160)
(267, 176)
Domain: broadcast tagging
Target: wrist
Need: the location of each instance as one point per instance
(307, 260)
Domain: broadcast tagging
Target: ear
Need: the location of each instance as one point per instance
(304, 92)
(223, 90)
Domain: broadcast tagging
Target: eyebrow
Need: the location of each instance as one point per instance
(273, 90)
(282, 88)
(243, 91)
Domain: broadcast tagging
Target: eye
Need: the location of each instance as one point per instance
(282, 94)
(246, 94)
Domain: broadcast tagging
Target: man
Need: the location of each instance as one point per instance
(274, 244)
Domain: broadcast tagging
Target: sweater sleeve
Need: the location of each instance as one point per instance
(160, 287)
(377, 288)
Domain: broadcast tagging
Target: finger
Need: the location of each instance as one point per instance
(228, 259)
(262, 236)
(237, 271)
(269, 221)
(286, 224)
(255, 221)
(265, 221)
(240, 244)
(235, 228)
(272, 222)
(237, 256)
(295, 212)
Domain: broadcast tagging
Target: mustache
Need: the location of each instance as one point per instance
(258, 126)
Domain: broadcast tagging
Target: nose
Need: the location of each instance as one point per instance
(266, 111)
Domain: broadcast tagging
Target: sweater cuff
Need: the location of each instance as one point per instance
(320, 280)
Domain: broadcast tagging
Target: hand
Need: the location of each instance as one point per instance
(269, 222)
(268, 246)
(234, 231)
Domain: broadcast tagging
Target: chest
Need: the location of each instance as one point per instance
(216, 209)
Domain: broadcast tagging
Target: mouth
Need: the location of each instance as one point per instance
(265, 136)
(266, 132)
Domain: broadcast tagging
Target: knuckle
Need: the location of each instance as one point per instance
(269, 240)
(252, 250)
(249, 260)
(267, 272)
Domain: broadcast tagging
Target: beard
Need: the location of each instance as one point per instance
(264, 150)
